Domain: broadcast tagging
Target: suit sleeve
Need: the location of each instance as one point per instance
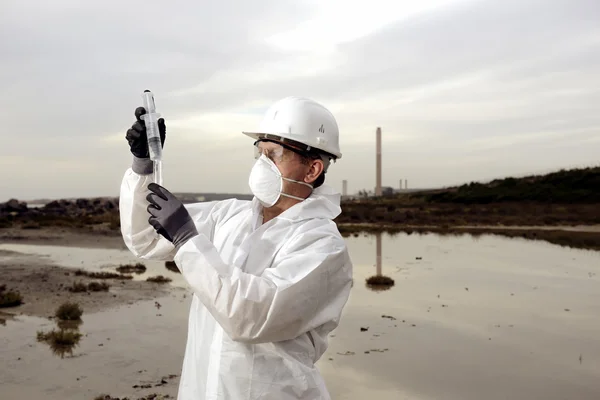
(307, 287)
(139, 236)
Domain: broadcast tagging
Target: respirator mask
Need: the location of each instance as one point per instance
(266, 182)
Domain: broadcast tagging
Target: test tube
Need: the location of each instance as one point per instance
(154, 144)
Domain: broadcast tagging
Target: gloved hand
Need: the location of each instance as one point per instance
(169, 217)
(138, 142)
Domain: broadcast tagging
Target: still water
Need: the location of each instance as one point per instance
(485, 318)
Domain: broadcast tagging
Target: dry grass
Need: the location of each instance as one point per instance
(380, 280)
(159, 279)
(9, 298)
(379, 283)
(80, 287)
(153, 396)
(419, 213)
(69, 312)
(98, 287)
(102, 275)
(137, 268)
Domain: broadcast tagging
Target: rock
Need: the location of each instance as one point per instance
(13, 206)
(82, 203)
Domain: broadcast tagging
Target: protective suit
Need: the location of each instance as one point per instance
(265, 296)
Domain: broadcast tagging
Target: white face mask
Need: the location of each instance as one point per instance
(266, 182)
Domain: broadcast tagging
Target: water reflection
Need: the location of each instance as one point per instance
(63, 340)
(72, 325)
(379, 282)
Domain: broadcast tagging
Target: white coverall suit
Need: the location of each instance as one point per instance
(266, 296)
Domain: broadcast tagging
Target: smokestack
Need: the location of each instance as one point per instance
(378, 162)
(406, 184)
(344, 188)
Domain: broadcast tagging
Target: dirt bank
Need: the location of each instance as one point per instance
(44, 286)
(63, 236)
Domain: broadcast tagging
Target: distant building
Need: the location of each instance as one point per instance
(387, 191)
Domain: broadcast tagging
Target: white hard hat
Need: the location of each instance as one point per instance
(301, 120)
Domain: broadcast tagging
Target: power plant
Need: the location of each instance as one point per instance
(379, 189)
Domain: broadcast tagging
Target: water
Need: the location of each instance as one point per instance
(485, 318)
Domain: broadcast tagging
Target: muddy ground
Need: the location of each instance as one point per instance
(44, 287)
(490, 319)
(63, 236)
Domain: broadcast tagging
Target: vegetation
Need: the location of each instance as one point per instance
(98, 287)
(79, 287)
(153, 396)
(561, 198)
(405, 212)
(137, 268)
(69, 312)
(109, 220)
(102, 275)
(380, 280)
(379, 283)
(159, 279)
(581, 186)
(9, 298)
(64, 339)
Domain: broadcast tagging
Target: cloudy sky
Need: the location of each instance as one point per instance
(463, 89)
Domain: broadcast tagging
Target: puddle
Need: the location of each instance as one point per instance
(137, 345)
(466, 319)
(94, 260)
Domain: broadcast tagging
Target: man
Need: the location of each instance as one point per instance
(270, 276)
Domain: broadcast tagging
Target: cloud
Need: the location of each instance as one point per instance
(463, 90)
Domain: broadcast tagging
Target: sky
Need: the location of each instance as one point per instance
(463, 90)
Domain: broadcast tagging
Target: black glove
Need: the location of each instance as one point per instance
(136, 135)
(169, 217)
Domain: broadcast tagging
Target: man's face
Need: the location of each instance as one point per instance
(289, 163)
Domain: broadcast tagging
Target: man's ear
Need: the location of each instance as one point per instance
(316, 167)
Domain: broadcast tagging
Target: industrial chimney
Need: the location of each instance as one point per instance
(378, 163)
(344, 188)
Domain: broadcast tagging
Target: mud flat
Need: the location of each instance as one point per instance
(468, 317)
(64, 236)
(44, 286)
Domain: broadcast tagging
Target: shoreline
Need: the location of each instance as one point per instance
(44, 286)
(577, 236)
(593, 228)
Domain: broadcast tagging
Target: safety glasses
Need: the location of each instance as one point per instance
(276, 153)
